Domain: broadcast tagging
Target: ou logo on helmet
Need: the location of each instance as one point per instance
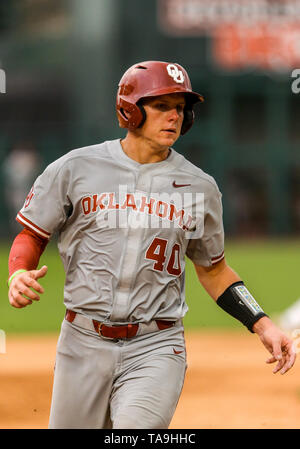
(175, 73)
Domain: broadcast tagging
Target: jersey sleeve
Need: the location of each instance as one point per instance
(208, 249)
(47, 205)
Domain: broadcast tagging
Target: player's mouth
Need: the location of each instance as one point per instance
(170, 130)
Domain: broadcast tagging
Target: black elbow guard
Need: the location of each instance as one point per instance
(239, 303)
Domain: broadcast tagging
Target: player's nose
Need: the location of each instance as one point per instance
(174, 114)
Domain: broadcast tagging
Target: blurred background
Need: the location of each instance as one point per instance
(62, 61)
(60, 64)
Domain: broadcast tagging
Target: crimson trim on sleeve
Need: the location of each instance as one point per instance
(217, 258)
(29, 224)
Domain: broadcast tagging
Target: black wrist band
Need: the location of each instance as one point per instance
(239, 303)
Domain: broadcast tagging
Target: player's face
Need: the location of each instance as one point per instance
(164, 117)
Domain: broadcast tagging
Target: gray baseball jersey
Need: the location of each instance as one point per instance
(124, 229)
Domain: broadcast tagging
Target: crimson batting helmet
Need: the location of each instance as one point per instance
(151, 79)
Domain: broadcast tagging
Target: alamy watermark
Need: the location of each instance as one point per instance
(2, 342)
(296, 83)
(147, 210)
(2, 82)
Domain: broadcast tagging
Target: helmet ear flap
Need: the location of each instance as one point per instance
(188, 120)
(130, 115)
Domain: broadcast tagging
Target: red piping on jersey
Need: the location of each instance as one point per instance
(217, 258)
(33, 227)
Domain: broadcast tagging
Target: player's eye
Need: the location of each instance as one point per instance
(180, 108)
(164, 107)
(161, 106)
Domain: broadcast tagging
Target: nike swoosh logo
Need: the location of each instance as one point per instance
(179, 185)
(177, 352)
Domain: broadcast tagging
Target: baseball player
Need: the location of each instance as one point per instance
(127, 212)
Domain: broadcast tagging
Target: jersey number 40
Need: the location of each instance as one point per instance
(157, 252)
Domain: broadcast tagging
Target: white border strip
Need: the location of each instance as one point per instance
(33, 227)
(218, 259)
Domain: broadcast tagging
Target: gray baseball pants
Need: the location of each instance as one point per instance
(120, 384)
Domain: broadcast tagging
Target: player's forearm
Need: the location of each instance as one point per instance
(230, 293)
(216, 279)
(26, 251)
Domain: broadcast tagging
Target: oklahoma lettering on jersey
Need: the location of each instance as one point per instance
(123, 230)
(141, 204)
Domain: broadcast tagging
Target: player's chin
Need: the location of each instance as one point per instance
(168, 138)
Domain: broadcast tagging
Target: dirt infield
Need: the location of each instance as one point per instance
(228, 385)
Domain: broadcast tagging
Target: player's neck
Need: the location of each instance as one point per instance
(143, 150)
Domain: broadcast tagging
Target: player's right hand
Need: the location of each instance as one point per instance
(24, 287)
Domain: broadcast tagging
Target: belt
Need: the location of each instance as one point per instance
(116, 332)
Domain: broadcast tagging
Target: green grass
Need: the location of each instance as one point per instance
(269, 269)
(43, 316)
